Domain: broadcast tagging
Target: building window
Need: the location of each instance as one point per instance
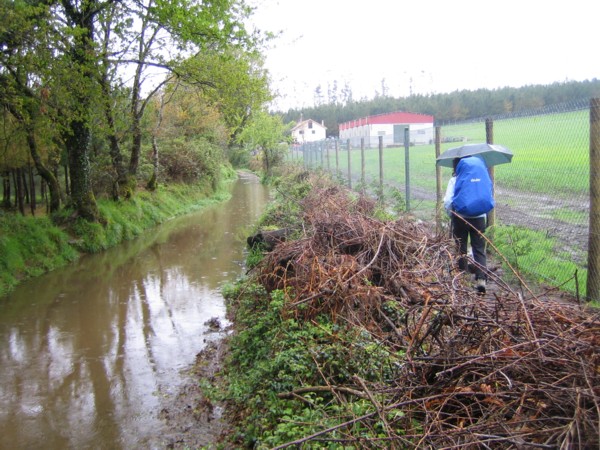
(301, 132)
(313, 132)
(310, 125)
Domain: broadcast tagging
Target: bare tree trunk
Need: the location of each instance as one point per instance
(153, 182)
(67, 181)
(18, 182)
(121, 186)
(44, 172)
(137, 104)
(44, 194)
(136, 147)
(136, 132)
(32, 199)
(6, 203)
(24, 173)
(78, 137)
(82, 197)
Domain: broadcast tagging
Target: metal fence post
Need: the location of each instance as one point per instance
(593, 274)
(407, 166)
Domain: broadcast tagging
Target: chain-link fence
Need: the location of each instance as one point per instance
(541, 222)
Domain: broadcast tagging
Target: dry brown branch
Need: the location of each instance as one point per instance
(329, 388)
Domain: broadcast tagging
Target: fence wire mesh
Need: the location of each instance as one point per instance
(541, 219)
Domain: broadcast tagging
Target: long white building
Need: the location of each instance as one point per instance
(391, 127)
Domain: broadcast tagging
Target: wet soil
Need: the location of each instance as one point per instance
(194, 420)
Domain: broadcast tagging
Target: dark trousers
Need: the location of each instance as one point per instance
(473, 228)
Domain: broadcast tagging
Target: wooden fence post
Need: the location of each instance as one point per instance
(304, 156)
(337, 163)
(438, 180)
(362, 163)
(322, 145)
(489, 138)
(593, 274)
(381, 168)
(407, 166)
(349, 167)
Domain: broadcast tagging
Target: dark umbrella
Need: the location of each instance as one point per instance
(492, 154)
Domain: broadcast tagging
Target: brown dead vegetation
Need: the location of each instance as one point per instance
(504, 370)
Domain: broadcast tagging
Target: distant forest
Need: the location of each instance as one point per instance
(450, 107)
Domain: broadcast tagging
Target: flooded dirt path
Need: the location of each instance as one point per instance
(90, 353)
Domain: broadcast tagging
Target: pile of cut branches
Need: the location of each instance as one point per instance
(505, 370)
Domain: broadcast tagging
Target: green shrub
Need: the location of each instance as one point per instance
(188, 161)
(526, 249)
(273, 354)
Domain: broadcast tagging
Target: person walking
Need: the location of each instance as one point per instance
(468, 200)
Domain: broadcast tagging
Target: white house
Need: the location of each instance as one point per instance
(391, 127)
(308, 131)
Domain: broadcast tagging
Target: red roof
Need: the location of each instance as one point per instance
(398, 117)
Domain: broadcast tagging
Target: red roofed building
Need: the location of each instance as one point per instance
(391, 127)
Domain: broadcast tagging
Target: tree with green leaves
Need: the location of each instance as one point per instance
(221, 63)
(233, 81)
(96, 74)
(26, 40)
(269, 136)
(77, 71)
(188, 135)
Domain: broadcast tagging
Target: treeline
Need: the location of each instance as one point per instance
(451, 107)
(100, 98)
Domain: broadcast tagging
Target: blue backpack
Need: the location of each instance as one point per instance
(473, 188)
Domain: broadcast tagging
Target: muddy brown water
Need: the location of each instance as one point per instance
(89, 353)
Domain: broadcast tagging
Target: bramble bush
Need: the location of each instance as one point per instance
(188, 161)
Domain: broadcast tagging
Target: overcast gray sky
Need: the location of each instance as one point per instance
(432, 46)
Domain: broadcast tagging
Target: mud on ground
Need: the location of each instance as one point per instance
(194, 420)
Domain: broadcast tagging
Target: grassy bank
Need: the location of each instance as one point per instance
(31, 246)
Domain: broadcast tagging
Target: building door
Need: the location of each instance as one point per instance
(399, 133)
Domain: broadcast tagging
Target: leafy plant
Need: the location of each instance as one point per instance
(538, 256)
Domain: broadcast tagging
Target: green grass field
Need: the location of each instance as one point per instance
(551, 153)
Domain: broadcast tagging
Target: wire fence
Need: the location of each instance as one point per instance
(542, 217)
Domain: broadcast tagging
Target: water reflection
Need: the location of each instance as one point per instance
(89, 351)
